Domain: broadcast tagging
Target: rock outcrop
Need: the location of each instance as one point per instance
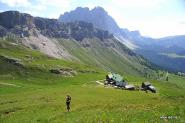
(14, 61)
(64, 71)
(97, 16)
(25, 25)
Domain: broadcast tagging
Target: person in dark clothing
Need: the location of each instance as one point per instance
(68, 101)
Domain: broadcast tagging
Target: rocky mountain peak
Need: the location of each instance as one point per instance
(82, 9)
(97, 16)
(10, 19)
(99, 10)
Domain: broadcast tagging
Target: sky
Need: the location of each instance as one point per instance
(153, 18)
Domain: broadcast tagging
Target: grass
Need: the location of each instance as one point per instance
(40, 95)
(91, 103)
(112, 59)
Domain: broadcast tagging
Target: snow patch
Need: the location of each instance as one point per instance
(126, 42)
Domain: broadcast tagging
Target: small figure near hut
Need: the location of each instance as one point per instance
(68, 101)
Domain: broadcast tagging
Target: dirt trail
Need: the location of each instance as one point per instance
(9, 84)
(98, 81)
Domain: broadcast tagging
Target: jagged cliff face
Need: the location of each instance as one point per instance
(26, 25)
(39, 33)
(11, 19)
(102, 20)
(97, 16)
(24, 29)
(77, 30)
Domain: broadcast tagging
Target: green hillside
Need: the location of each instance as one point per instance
(35, 64)
(29, 92)
(74, 41)
(111, 55)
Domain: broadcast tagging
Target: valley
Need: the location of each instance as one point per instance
(42, 60)
(33, 93)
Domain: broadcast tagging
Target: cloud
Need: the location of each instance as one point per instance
(16, 3)
(55, 3)
(137, 3)
(159, 27)
(182, 22)
(38, 7)
(46, 8)
(35, 9)
(54, 15)
(49, 8)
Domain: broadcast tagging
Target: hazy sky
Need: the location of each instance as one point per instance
(155, 18)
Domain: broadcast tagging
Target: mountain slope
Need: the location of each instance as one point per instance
(166, 52)
(112, 58)
(100, 19)
(157, 51)
(73, 41)
(33, 93)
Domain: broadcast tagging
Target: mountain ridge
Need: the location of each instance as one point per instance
(87, 15)
(133, 39)
(78, 41)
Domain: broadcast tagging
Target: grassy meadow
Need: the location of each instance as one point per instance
(31, 94)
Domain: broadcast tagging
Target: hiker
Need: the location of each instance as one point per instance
(68, 100)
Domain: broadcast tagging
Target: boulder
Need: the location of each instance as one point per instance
(64, 71)
(14, 61)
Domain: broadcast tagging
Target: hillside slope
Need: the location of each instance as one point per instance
(101, 20)
(75, 41)
(29, 92)
(33, 85)
(110, 55)
(157, 51)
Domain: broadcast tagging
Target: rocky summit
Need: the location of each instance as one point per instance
(23, 24)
